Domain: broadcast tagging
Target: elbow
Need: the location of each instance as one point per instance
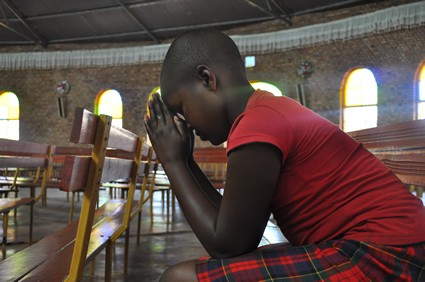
(222, 251)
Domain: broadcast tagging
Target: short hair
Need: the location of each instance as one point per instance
(199, 47)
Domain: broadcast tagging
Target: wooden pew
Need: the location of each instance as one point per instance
(401, 147)
(19, 155)
(213, 161)
(66, 252)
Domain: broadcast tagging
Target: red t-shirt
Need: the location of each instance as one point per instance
(329, 186)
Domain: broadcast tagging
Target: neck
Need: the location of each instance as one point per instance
(237, 99)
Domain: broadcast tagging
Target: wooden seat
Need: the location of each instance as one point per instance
(401, 147)
(19, 156)
(115, 155)
(80, 172)
(158, 182)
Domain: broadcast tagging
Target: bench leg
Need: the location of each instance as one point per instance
(44, 199)
(31, 222)
(108, 262)
(126, 249)
(168, 206)
(71, 209)
(5, 224)
(151, 206)
(139, 223)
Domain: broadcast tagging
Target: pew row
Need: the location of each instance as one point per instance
(26, 157)
(401, 147)
(116, 154)
(213, 162)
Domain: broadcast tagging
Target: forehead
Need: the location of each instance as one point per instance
(173, 99)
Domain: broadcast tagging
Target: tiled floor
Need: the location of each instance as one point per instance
(161, 245)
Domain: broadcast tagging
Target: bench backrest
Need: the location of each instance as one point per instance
(21, 155)
(213, 161)
(86, 173)
(400, 146)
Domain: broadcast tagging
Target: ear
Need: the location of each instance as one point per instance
(207, 77)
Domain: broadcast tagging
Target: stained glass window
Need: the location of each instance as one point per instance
(109, 103)
(9, 116)
(266, 87)
(360, 99)
(421, 94)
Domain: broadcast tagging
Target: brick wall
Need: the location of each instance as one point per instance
(393, 57)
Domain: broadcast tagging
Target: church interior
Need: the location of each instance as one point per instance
(359, 64)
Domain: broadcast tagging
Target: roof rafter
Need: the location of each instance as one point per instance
(6, 26)
(159, 30)
(269, 12)
(281, 6)
(138, 22)
(41, 40)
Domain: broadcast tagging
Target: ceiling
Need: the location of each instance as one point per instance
(44, 22)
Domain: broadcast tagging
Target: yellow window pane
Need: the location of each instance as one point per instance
(155, 90)
(117, 122)
(3, 112)
(267, 87)
(110, 103)
(357, 118)
(422, 84)
(9, 106)
(361, 88)
(421, 110)
(9, 129)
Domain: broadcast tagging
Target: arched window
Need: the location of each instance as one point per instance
(9, 116)
(266, 87)
(359, 101)
(109, 103)
(420, 113)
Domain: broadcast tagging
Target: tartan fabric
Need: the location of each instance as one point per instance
(340, 260)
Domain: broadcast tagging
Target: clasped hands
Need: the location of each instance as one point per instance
(170, 137)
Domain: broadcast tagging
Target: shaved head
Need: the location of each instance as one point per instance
(199, 47)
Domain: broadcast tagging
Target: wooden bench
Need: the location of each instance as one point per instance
(401, 147)
(213, 162)
(65, 253)
(19, 156)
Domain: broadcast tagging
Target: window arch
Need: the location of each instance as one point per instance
(9, 116)
(109, 103)
(267, 87)
(420, 92)
(359, 101)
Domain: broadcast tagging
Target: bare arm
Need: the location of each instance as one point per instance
(204, 182)
(235, 224)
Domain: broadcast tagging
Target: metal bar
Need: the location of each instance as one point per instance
(4, 14)
(22, 19)
(271, 13)
(159, 30)
(17, 32)
(138, 22)
(100, 9)
(282, 8)
(327, 7)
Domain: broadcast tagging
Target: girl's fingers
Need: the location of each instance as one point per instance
(181, 125)
(153, 112)
(159, 109)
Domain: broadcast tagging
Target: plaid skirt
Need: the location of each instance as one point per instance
(339, 260)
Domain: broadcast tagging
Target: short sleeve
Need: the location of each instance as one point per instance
(261, 124)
